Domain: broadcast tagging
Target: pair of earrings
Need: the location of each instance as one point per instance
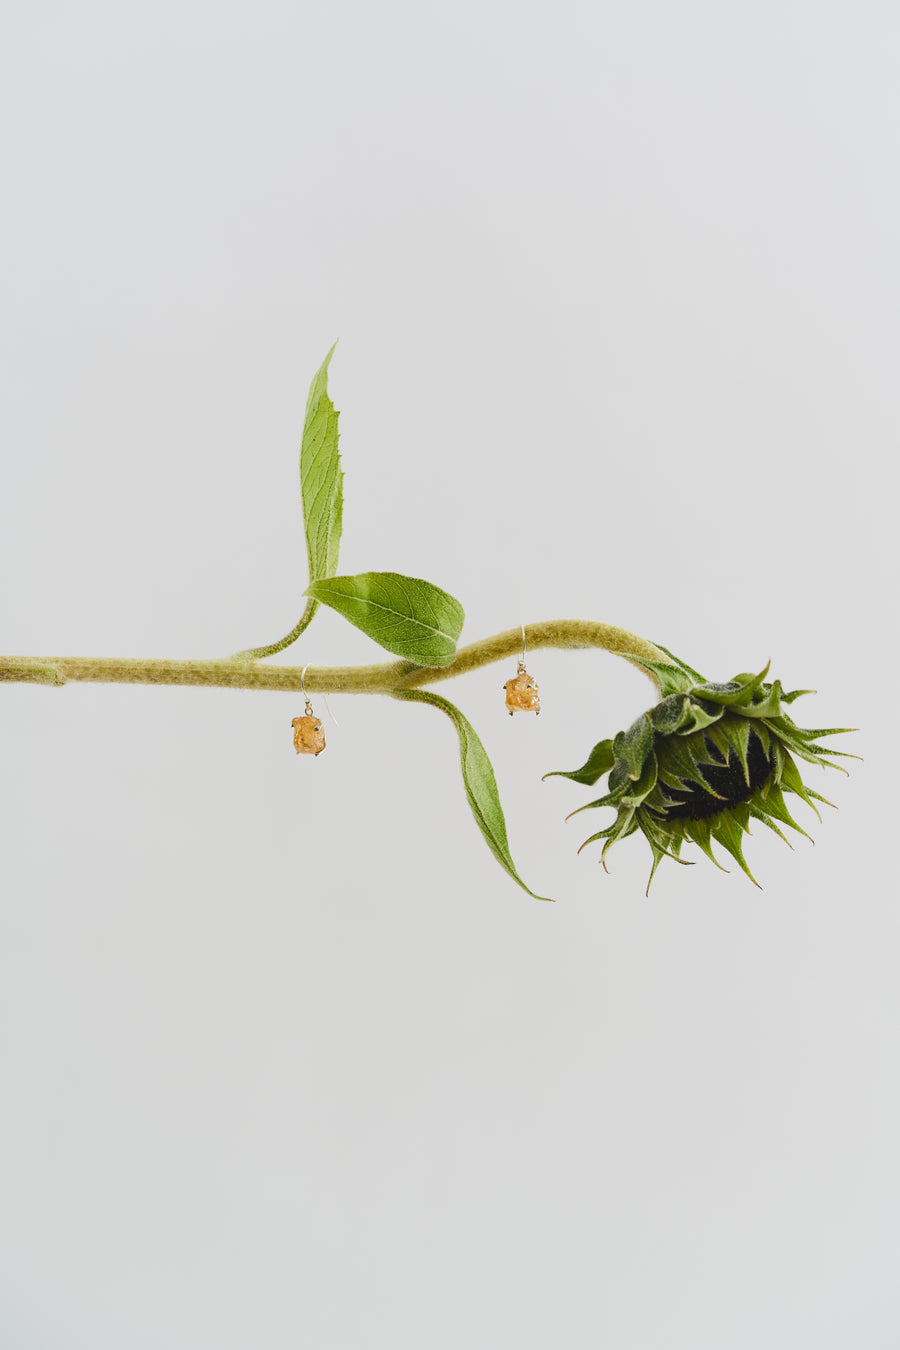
(309, 734)
(522, 693)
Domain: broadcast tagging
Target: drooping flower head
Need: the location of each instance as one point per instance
(702, 763)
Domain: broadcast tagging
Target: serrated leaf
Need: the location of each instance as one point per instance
(405, 615)
(478, 781)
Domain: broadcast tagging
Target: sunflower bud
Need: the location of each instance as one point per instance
(702, 763)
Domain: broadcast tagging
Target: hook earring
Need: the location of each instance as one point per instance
(309, 736)
(522, 693)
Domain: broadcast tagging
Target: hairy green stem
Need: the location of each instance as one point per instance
(257, 653)
(239, 673)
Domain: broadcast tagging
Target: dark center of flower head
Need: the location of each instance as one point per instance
(726, 779)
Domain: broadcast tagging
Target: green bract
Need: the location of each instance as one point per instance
(702, 763)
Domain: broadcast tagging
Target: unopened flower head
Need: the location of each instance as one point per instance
(703, 763)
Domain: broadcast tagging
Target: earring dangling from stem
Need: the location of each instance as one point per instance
(522, 693)
(309, 736)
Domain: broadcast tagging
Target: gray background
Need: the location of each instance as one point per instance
(286, 1060)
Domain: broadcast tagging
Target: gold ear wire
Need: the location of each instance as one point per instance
(309, 711)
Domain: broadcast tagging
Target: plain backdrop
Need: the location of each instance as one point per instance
(287, 1061)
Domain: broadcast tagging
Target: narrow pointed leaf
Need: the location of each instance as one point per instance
(625, 823)
(322, 498)
(702, 714)
(611, 799)
(671, 714)
(737, 691)
(813, 733)
(727, 831)
(672, 679)
(774, 805)
(792, 780)
(478, 781)
(699, 832)
(406, 616)
(644, 785)
(768, 706)
(598, 762)
(321, 479)
(628, 825)
(683, 665)
(680, 766)
(631, 747)
(756, 814)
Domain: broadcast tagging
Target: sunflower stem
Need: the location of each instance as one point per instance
(237, 672)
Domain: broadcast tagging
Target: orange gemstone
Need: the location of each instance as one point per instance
(309, 737)
(522, 694)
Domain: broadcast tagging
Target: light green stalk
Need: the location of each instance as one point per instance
(388, 678)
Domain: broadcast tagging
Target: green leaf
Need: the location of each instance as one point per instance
(598, 762)
(677, 678)
(735, 693)
(695, 674)
(478, 781)
(321, 479)
(669, 714)
(632, 747)
(406, 616)
(322, 495)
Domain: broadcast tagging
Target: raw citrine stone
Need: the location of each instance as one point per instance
(309, 737)
(522, 694)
